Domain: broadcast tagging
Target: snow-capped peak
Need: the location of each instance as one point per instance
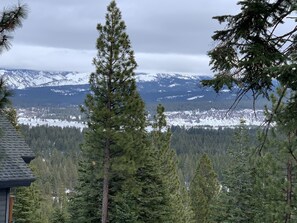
(147, 77)
(22, 78)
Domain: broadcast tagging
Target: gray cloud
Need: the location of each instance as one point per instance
(166, 35)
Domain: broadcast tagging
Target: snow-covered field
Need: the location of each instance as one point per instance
(50, 122)
(211, 118)
(215, 118)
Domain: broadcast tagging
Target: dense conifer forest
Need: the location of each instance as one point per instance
(58, 152)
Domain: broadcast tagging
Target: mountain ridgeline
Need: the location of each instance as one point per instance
(174, 91)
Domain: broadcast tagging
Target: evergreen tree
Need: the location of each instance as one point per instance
(116, 135)
(253, 186)
(161, 135)
(251, 52)
(154, 198)
(84, 205)
(204, 188)
(5, 93)
(59, 216)
(277, 179)
(236, 202)
(10, 19)
(59, 213)
(254, 50)
(60, 207)
(11, 114)
(270, 189)
(27, 205)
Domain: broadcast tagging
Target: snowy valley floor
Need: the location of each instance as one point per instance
(211, 118)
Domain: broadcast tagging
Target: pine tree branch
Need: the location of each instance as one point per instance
(269, 121)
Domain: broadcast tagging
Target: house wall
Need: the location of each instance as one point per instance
(4, 195)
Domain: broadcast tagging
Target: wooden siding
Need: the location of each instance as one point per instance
(3, 205)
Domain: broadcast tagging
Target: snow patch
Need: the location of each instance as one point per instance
(225, 90)
(196, 97)
(173, 85)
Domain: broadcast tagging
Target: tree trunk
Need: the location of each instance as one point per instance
(106, 169)
(289, 190)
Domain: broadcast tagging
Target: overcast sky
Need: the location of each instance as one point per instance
(166, 35)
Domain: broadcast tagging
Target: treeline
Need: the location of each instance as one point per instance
(58, 149)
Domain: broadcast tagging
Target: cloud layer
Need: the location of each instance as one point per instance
(167, 36)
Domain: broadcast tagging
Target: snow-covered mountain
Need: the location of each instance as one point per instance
(176, 91)
(22, 78)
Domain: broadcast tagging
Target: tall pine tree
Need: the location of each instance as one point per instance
(179, 207)
(117, 142)
(204, 188)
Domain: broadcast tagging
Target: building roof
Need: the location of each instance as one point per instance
(14, 157)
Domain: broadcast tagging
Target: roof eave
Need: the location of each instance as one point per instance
(16, 183)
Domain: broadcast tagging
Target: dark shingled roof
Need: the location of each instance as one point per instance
(14, 157)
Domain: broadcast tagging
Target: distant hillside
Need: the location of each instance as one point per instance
(21, 78)
(175, 91)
